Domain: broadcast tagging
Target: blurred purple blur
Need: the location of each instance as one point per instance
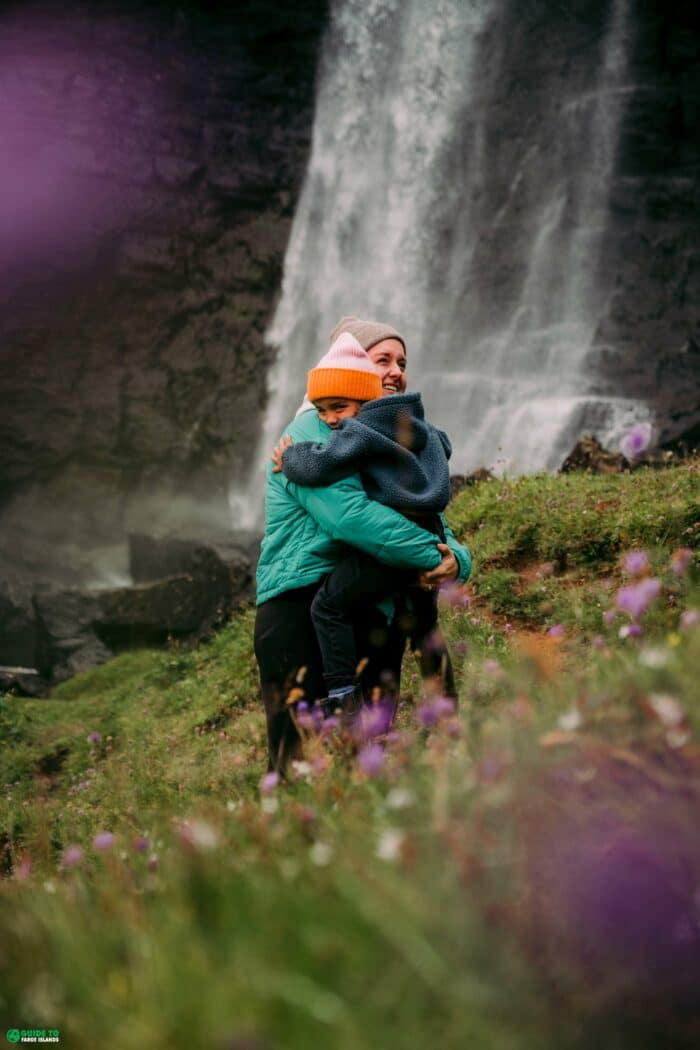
(71, 167)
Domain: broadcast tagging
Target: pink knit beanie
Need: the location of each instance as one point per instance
(345, 371)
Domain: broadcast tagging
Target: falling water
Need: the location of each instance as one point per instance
(480, 243)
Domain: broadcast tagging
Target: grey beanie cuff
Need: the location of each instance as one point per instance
(367, 333)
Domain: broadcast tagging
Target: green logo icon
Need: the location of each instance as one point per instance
(13, 1035)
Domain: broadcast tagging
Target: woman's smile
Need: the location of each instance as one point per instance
(390, 358)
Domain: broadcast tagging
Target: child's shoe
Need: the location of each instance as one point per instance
(346, 701)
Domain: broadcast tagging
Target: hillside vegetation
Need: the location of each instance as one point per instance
(524, 872)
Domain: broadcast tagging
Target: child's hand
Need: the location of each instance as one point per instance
(278, 452)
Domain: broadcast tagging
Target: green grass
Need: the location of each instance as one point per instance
(451, 900)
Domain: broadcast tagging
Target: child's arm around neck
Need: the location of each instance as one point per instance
(316, 465)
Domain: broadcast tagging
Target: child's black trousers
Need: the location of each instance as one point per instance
(357, 582)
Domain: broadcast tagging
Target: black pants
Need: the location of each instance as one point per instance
(288, 658)
(356, 583)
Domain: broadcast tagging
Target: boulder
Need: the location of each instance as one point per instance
(589, 455)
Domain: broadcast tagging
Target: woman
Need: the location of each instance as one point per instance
(305, 533)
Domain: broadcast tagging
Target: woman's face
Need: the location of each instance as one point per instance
(390, 358)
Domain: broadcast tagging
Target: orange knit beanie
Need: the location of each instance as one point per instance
(345, 371)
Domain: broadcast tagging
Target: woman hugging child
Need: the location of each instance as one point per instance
(402, 461)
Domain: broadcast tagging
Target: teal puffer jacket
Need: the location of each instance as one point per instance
(307, 529)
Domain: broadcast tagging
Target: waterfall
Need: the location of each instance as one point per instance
(471, 219)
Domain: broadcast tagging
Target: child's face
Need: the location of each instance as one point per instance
(332, 409)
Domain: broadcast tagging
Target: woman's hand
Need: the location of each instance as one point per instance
(278, 452)
(447, 570)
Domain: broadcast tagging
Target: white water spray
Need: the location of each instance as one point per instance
(399, 197)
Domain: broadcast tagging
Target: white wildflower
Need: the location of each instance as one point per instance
(400, 798)
(321, 854)
(389, 844)
(571, 720)
(667, 709)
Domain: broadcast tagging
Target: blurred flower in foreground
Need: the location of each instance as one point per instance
(371, 759)
(690, 618)
(389, 844)
(23, 868)
(433, 711)
(571, 720)
(321, 854)
(556, 631)
(613, 871)
(269, 782)
(400, 798)
(375, 720)
(103, 841)
(72, 856)
(198, 835)
(681, 560)
(636, 440)
(636, 563)
(637, 597)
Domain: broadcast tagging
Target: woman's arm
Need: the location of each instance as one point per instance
(346, 513)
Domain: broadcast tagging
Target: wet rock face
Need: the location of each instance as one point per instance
(156, 154)
(648, 347)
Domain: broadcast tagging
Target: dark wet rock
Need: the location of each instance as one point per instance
(181, 589)
(19, 636)
(462, 481)
(138, 364)
(589, 455)
(22, 681)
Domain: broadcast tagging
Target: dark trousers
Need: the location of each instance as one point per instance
(289, 659)
(356, 583)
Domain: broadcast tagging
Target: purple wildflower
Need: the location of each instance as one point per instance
(637, 597)
(433, 711)
(103, 841)
(636, 563)
(599, 642)
(72, 856)
(94, 737)
(630, 630)
(492, 767)
(690, 618)
(451, 594)
(636, 440)
(269, 782)
(370, 759)
(376, 719)
(609, 617)
(305, 720)
(141, 843)
(556, 631)
(508, 628)
(681, 560)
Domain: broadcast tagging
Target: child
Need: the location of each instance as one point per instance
(402, 460)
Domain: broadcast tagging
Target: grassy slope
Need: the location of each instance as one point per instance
(366, 912)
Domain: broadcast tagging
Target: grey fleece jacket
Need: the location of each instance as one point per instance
(401, 458)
